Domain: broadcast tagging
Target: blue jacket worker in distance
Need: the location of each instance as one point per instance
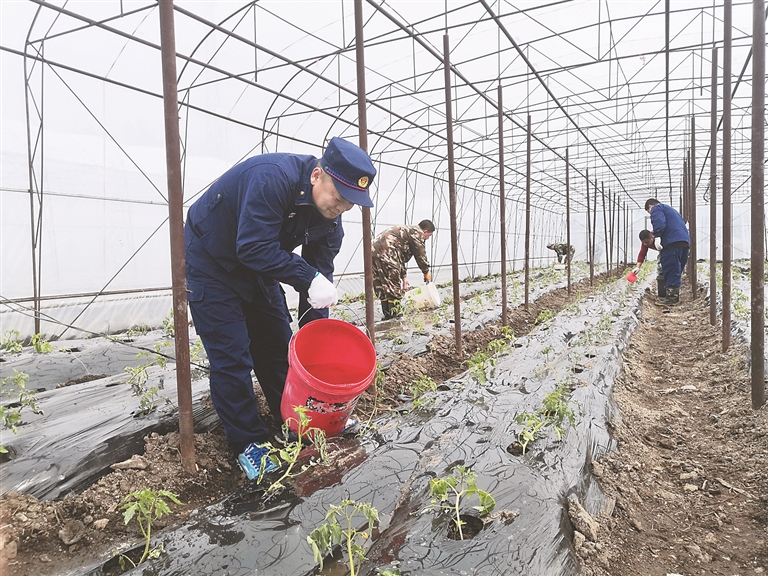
(673, 241)
(240, 237)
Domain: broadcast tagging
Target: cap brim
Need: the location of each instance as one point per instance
(350, 194)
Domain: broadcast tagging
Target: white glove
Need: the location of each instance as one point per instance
(322, 293)
(636, 271)
(657, 243)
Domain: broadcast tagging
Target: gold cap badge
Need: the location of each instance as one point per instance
(363, 182)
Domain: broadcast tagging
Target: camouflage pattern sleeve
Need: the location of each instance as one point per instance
(417, 244)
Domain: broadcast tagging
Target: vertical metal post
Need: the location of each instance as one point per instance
(713, 195)
(528, 213)
(683, 211)
(362, 130)
(685, 186)
(594, 237)
(36, 145)
(614, 207)
(502, 214)
(666, 92)
(605, 230)
(692, 227)
(589, 234)
(689, 181)
(684, 197)
(727, 233)
(626, 232)
(452, 194)
(758, 204)
(176, 225)
(568, 215)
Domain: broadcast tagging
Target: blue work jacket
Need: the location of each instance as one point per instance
(668, 225)
(244, 228)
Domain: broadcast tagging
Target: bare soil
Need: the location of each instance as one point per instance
(689, 478)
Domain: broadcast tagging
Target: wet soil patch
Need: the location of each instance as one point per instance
(470, 527)
(86, 378)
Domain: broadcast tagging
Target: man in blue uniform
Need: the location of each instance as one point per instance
(673, 241)
(648, 242)
(239, 237)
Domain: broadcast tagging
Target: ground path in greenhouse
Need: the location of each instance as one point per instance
(689, 478)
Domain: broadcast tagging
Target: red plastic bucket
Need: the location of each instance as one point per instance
(631, 277)
(330, 364)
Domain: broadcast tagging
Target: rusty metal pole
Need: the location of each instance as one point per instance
(685, 187)
(589, 234)
(176, 225)
(713, 195)
(758, 204)
(568, 215)
(452, 195)
(727, 232)
(614, 207)
(692, 230)
(362, 129)
(689, 179)
(502, 214)
(666, 93)
(594, 230)
(605, 230)
(528, 213)
(626, 233)
(684, 199)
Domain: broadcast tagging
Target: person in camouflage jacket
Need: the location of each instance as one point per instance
(561, 249)
(392, 249)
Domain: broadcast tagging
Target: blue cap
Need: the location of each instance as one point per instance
(351, 169)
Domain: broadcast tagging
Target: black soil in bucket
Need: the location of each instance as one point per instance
(470, 527)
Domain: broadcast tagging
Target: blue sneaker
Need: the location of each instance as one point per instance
(253, 458)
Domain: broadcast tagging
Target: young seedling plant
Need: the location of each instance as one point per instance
(41, 345)
(146, 505)
(447, 494)
(477, 365)
(289, 454)
(147, 396)
(15, 388)
(331, 532)
(554, 411)
(11, 343)
(481, 359)
(418, 388)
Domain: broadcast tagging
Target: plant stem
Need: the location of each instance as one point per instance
(350, 537)
(146, 533)
(292, 462)
(458, 515)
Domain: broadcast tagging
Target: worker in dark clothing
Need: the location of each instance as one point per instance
(648, 242)
(564, 251)
(239, 237)
(392, 249)
(673, 241)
